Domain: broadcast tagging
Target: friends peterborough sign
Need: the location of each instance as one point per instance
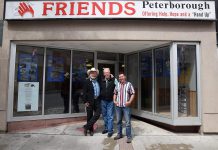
(180, 10)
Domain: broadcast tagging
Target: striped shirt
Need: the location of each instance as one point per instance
(123, 92)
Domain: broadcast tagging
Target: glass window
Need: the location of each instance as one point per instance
(28, 81)
(106, 56)
(146, 80)
(162, 80)
(57, 81)
(1, 32)
(121, 63)
(187, 81)
(132, 75)
(82, 61)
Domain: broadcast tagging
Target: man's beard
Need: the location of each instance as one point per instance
(93, 78)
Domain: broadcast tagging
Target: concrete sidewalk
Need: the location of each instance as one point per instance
(70, 136)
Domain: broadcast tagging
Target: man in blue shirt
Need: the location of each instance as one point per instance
(91, 92)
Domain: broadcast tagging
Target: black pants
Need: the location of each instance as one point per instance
(93, 114)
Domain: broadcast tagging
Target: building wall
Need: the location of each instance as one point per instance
(2, 98)
(122, 30)
(1, 9)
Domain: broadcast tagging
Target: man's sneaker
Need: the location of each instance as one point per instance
(109, 134)
(104, 131)
(118, 137)
(129, 140)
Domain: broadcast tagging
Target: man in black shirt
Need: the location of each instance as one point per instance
(107, 86)
(91, 92)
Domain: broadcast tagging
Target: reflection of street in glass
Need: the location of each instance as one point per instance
(55, 75)
(55, 69)
(26, 59)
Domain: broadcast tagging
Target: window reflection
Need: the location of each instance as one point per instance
(187, 81)
(146, 81)
(121, 63)
(82, 61)
(28, 81)
(57, 87)
(162, 80)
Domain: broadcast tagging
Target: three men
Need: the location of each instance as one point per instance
(104, 95)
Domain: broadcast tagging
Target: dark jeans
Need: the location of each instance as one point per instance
(120, 112)
(93, 114)
(107, 109)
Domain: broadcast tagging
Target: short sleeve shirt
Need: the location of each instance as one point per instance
(123, 92)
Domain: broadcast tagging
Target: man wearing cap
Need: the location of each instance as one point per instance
(91, 92)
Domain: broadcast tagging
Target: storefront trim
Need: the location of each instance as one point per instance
(187, 120)
(10, 117)
(174, 119)
(171, 120)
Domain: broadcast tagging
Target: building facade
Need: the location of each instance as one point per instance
(171, 60)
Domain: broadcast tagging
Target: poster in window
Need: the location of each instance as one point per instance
(27, 68)
(55, 69)
(28, 96)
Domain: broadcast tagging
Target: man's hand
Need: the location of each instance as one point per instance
(128, 103)
(116, 103)
(87, 104)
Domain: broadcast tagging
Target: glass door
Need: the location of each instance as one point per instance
(102, 65)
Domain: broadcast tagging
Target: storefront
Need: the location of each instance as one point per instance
(167, 50)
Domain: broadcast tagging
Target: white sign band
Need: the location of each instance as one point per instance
(185, 10)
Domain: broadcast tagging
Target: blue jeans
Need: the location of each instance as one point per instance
(107, 109)
(120, 111)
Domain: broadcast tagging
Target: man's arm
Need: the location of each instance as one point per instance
(115, 96)
(115, 99)
(116, 82)
(131, 99)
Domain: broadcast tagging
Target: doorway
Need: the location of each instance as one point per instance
(107, 64)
